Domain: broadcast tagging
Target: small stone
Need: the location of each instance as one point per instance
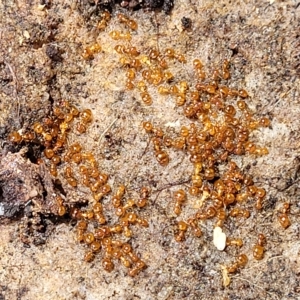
(26, 34)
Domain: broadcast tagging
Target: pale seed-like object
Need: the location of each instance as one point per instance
(219, 238)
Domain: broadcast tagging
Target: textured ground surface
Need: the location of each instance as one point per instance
(40, 64)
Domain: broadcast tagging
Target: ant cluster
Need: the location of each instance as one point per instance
(76, 167)
(218, 131)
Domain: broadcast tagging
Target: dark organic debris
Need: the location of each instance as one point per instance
(186, 23)
(23, 183)
(88, 8)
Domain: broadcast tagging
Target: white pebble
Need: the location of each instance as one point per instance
(219, 238)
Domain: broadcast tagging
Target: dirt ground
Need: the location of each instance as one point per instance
(41, 64)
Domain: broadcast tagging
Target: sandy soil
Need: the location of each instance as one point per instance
(41, 63)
